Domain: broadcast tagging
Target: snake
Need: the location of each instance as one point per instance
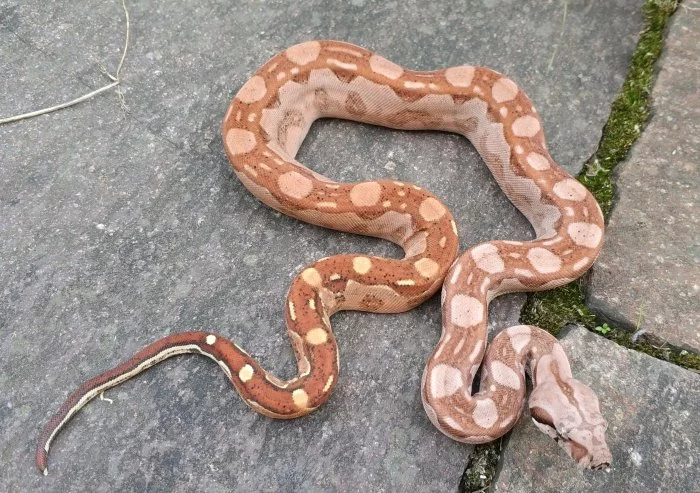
(262, 131)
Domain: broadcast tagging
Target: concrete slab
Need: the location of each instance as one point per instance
(650, 265)
(654, 435)
(116, 230)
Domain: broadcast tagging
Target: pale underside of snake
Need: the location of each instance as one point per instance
(263, 129)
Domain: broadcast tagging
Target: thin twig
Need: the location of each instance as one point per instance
(115, 82)
(126, 40)
(122, 103)
(58, 106)
(640, 316)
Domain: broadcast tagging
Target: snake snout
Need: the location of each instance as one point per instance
(595, 456)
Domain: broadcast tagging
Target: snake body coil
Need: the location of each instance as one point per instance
(263, 129)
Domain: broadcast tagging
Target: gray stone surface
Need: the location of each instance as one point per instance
(650, 264)
(654, 433)
(118, 229)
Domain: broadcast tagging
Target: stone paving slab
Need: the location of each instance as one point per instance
(116, 230)
(650, 264)
(654, 434)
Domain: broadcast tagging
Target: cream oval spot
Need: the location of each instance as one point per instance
(570, 189)
(459, 346)
(484, 284)
(519, 341)
(253, 90)
(384, 67)
(316, 336)
(246, 373)
(507, 422)
(466, 311)
(311, 277)
(583, 263)
(300, 398)
(304, 53)
(537, 161)
(416, 245)
(329, 382)
(366, 194)
(504, 90)
(211, 339)
(427, 267)
(361, 265)
(343, 65)
(410, 84)
(431, 209)
(526, 126)
(295, 185)
(327, 205)
(239, 141)
(475, 354)
(508, 285)
(452, 424)
(460, 76)
(504, 375)
(518, 329)
(544, 261)
(487, 258)
(485, 413)
(585, 234)
(455, 273)
(445, 380)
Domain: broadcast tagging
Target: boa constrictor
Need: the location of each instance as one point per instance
(262, 131)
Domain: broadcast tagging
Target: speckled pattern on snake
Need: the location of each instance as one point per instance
(262, 131)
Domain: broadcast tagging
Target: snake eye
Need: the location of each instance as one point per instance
(542, 417)
(544, 422)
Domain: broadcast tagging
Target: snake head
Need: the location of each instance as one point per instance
(569, 413)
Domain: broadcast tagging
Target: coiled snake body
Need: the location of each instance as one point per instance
(263, 129)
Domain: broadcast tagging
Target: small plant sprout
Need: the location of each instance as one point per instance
(603, 329)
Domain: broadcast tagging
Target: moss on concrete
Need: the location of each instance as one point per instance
(630, 110)
(481, 468)
(554, 309)
(680, 357)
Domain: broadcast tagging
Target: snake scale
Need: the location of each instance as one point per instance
(262, 131)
